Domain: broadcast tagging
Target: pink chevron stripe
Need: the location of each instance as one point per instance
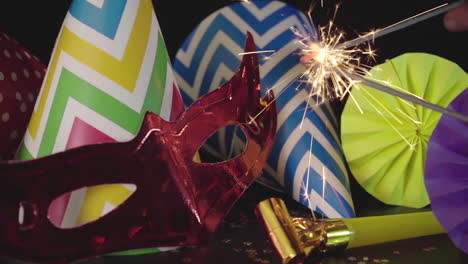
(177, 103)
(57, 208)
(83, 133)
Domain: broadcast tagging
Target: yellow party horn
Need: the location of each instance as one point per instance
(297, 238)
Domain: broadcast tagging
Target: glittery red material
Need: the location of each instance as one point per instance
(177, 202)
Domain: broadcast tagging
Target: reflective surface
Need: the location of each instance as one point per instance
(240, 238)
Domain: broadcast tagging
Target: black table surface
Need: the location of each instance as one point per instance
(241, 239)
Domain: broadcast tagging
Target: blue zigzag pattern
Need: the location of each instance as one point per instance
(277, 20)
(111, 12)
(333, 160)
(223, 54)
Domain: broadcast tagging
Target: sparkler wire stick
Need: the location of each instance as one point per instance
(402, 24)
(407, 97)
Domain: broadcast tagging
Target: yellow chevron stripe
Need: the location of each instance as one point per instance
(124, 72)
(96, 198)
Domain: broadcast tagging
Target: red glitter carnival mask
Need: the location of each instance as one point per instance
(178, 201)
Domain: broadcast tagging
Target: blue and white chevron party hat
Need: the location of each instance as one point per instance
(307, 159)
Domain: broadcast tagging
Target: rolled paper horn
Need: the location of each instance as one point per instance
(297, 238)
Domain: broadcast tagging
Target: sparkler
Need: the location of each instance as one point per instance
(402, 24)
(334, 66)
(327, 63)
(407, 97)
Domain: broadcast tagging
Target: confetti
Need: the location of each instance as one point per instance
(429, 249)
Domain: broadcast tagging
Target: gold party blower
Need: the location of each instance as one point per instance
(297, 238)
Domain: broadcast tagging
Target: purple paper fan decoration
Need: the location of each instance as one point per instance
(446, 173)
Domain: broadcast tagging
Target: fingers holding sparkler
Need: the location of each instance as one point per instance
(456, 20)
(314, 52)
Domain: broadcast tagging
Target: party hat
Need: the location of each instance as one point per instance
(21, 75)
(306, 160)
(109, 66)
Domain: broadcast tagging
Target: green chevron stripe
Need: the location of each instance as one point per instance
(24, 154)
(160, 71)
(136, 252)
(70, 85)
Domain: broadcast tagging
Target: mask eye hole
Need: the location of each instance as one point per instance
(27, 213)
(225, 144)
(87, 204)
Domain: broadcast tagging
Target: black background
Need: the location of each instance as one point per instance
(35, 24)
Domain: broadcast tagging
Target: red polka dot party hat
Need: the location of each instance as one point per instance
(21, 75)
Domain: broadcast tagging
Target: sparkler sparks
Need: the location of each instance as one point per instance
(306, 187)
(327, 63)
(334, 66)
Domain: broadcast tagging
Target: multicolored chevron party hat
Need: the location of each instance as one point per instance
(109, 66)
(307, 159)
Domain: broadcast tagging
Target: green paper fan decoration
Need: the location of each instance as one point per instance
(385, 145)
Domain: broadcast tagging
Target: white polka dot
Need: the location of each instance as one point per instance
(2, 77)
(14, 77)
(5, 117)
(14, 134)
(23, 107)
(1, 97)
(18, 55)
(7, 53)
(30, 96)
(18, 96)
(37, 73)
(6, 36)
(26, 73)
(27, 54)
